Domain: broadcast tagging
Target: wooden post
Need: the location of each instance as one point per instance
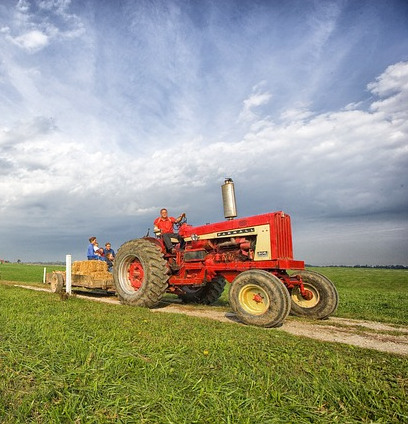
(68, 274)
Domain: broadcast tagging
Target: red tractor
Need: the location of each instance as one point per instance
(254, 254)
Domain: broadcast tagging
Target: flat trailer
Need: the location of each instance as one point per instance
(91, 275)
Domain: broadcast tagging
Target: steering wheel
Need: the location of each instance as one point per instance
(181, 222)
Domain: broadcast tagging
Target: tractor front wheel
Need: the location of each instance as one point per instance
(259, 298)
(140, 273)
(323, 301)
(206, 295)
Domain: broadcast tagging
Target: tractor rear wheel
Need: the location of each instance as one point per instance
(140, 273)
(206, 295)
(324, 300)
(259, 298)
(57, 282)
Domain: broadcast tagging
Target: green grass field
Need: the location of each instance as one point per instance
(365, 293)
(26, 273)
(77, 361)
(373, 294)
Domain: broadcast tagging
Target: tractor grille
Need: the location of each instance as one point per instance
(283, 234)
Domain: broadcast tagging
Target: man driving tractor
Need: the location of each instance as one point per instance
(164, 226)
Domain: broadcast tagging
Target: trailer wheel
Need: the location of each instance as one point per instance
(324, 301)
(140, 273)
(259, 298)
(205, 295)
(57, 282)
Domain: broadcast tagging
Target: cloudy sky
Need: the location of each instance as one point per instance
(112, 109)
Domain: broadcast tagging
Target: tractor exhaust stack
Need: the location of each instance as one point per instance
(228, 199)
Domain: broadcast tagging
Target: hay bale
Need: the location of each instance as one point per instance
(75, 268)
(94, 269)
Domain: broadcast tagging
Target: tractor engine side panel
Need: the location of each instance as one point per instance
(269, 236)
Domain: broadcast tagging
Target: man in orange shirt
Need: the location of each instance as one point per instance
(165, 224)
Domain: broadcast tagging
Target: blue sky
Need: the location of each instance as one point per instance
(110, 110)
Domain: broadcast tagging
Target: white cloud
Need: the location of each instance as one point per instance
(393, 80)
(33, 32)
(346, 162)
(392, 87)
(255, 100)
(23, 6)
(298, 113)
(59, 5)
(31, 41)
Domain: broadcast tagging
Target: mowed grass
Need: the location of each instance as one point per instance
(370, 293)
(78, 361)
(26, 273)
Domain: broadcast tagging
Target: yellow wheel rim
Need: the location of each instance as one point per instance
(253, 299)
(301, 301)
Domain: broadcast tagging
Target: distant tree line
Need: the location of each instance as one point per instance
(362, 266)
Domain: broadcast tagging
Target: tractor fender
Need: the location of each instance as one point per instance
(157, 241)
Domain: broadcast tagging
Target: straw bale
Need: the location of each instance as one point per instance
(94, 269)
(101, 275)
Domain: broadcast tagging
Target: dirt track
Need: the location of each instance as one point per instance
(367, 334)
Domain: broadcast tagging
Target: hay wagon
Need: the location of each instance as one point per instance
(91, 275)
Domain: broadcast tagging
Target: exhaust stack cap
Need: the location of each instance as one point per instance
(228, 199)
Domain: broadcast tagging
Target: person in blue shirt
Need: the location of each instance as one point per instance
(91, 254)
(108, 249)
